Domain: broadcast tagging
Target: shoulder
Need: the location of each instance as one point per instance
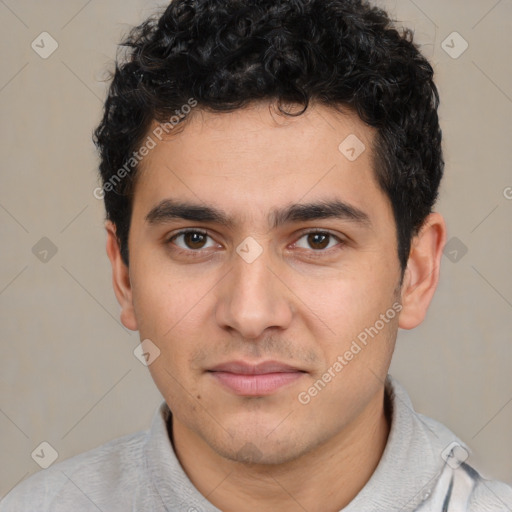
(89, 478)
(490, 496)
(465, 486)
(451, 480)
(485, 495)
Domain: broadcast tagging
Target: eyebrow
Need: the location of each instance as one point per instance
(170, 209)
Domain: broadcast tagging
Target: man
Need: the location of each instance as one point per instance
(269, 171)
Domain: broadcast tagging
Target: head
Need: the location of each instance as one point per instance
(298, 143)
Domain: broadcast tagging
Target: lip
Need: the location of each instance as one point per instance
(259, 379)
(243, 368)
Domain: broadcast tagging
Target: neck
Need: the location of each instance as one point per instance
(327, 478)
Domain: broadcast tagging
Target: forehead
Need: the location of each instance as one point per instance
(259, 127)
(252, 159)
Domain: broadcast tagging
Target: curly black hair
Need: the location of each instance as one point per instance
(226, 54)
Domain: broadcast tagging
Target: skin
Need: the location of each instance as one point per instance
(299, 303)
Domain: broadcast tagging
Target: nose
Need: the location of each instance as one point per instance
(253, 298)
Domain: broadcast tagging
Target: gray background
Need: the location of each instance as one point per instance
(67, 370)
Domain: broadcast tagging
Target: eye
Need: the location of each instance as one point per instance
(195, 240)
(191, 240)
(319, 240)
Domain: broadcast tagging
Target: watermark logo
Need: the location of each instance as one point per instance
(146, 352)
(455, 249)
(149, 143)
(351, 147)
(249, 453)
(454, 45)
(44, 250)
(454, 454)
(249, 250)
(44, 45)
(45, 455)
(305, 397)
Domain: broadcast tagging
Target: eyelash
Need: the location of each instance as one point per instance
(197, 252)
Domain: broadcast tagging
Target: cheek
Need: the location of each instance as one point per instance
(168, 313)
(164, 296)
(349, 300)
(172, 311)
(348, 322)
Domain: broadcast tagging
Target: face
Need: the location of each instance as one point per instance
(264, 267)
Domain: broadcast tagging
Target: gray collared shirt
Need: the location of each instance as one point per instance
(423, 469)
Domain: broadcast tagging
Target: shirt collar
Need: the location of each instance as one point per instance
(412, 461)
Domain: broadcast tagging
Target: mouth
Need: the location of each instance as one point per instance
(260, 379)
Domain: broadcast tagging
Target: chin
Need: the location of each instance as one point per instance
(259, 449)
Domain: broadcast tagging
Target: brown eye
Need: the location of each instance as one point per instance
(192, 240)
(318, 240)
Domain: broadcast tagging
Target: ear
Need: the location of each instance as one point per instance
(422, 273)
(120, 278)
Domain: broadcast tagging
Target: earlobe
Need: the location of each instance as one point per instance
(422, 272)
(120, 278)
